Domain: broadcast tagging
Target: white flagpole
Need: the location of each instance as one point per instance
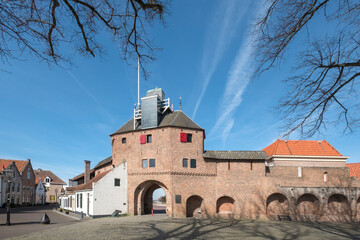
(138, 81)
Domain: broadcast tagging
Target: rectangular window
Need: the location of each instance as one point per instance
(142, 139)
(193, 163)
(123, 140)
(117, 182)
(80, 200)
(299, 172)
(149, 138)
(52, 197)
(144, 163)
(28, 174)
(189, 137)
(185, 163)
(151, 162)
(77, 200)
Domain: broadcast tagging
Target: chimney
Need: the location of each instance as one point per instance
(87, 171)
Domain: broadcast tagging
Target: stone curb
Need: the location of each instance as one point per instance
(67, 215)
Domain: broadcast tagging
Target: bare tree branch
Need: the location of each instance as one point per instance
(323, 89)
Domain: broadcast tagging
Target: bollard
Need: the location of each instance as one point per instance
(152, 212)
(82, 214)
(45, 219)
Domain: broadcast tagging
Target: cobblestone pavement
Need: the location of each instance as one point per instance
(25, 220)
(163, 227)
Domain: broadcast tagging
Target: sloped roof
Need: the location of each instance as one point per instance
(81, 175)
(88, 185)
(236, 155)
(171, 119)
(103, 162)
(20, 164)
(301, 147)
(46, 173)
(354, 169)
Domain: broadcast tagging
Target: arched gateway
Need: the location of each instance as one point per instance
(143, 197)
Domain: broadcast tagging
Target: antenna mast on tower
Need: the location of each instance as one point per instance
(137, 109)
(138, 81)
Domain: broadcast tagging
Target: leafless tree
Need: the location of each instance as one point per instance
(326, 75)
(46, 28)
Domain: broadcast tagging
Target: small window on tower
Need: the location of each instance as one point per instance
(144, 163)
(149, 138)
(185, 163)
(193, 163)
(123, 140)
(189, 137)
(151, 162)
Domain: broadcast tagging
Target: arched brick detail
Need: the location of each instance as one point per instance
(277, 204)
(338, 205)
(193, 206)
(308, 204)
(225, 205)
(143, 196)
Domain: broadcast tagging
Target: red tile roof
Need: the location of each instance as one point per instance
(88, 185)
(20, 164)
(46, 173)
(354, 169)
(301, 147)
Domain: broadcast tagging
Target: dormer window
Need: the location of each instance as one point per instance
(47, 179)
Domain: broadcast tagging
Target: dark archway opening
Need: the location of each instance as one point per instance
(193, 206)
(145, 195)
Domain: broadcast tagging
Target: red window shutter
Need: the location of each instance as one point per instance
(182, 137)
(142, 139)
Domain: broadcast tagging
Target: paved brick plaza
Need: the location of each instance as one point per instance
(163, 227)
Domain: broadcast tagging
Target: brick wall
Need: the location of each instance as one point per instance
(221, 188)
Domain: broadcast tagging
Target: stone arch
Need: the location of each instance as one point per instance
(193, 206)
(225, 205)
(307, 204)
(358, 206)
(143, 197)
(277, 204)
(338, 205)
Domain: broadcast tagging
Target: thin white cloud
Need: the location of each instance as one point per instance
(84, 88)
(238, 79)
(220, 32)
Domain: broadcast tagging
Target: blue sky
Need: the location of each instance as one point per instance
(59, 117)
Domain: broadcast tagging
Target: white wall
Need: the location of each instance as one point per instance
(107, 196)
(40, 193)
(86, 194)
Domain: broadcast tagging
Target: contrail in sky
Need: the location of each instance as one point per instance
(238, 79)
(82, 86)
(218, 39)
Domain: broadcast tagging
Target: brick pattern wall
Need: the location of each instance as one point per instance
(218, 188)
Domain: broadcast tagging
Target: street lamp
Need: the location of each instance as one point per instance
(9, 174)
